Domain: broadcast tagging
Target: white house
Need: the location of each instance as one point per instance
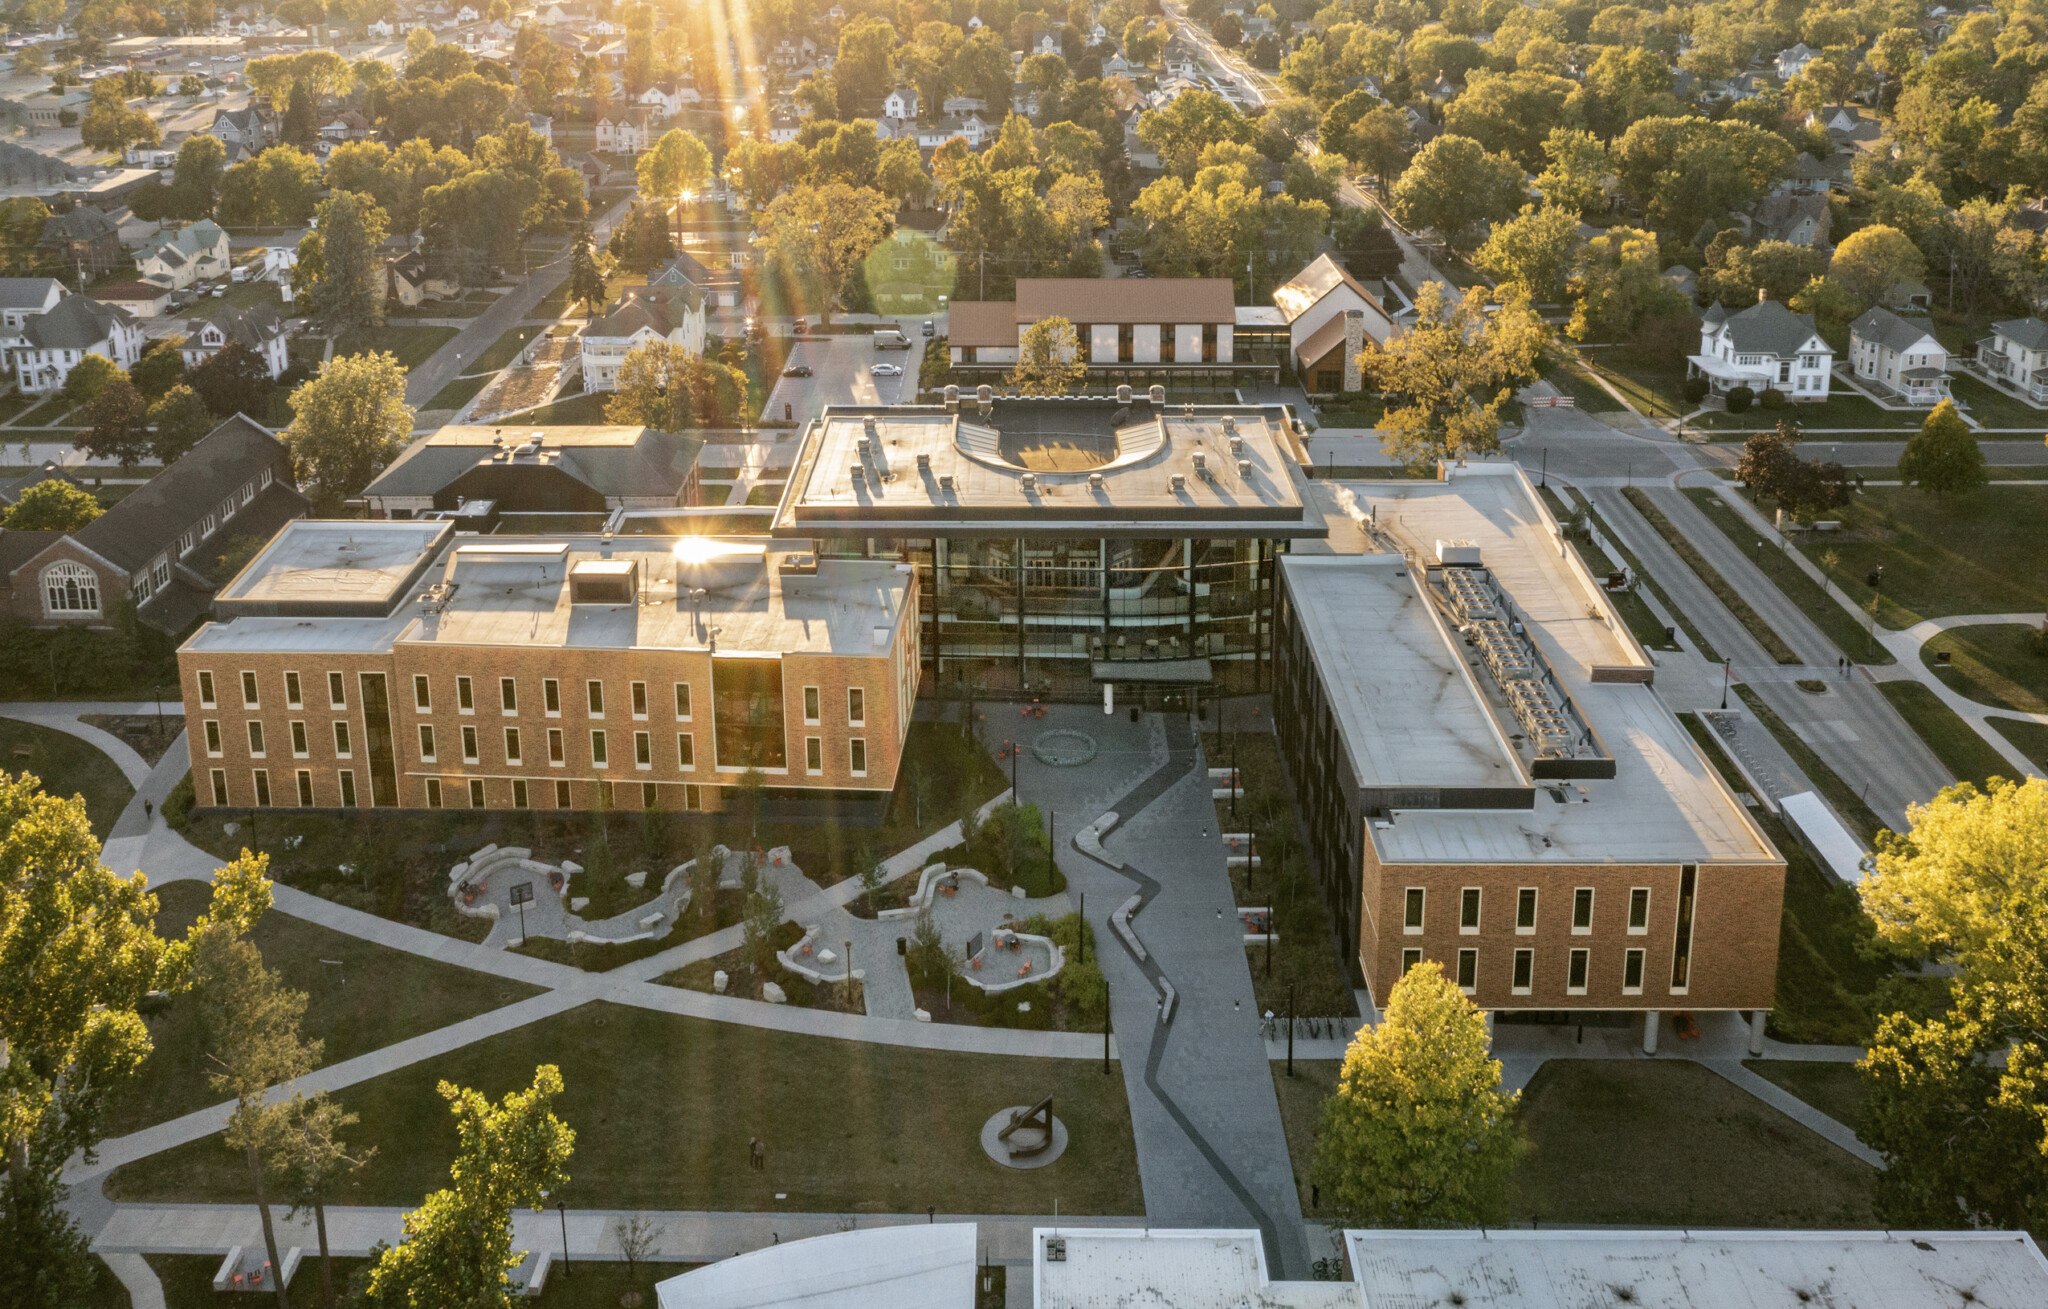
(669, 313)
(900, 104)
(49, 345)
(665, 98)
(630, 133)
(1793, 59)
(1764, 347)
(23, 297)
(177, 259)
(2016, 353)
(259, 329)
(382, 29)
(1317, 304)
(1899, 355)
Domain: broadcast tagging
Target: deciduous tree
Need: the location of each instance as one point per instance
(663, 386)
(1870, 261)
(52, 506)
(347, 424)
(1456, 189)
(233, 381)
(1451, 373)
(1050, 360)
(1943, 458)
(816, 235)
(1532, 251)
(178, 421)
(119, 419)
(350, 292)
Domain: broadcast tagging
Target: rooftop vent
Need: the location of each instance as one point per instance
(1055, 1249)
(952, 394)
(984, 394)
(1176, 483)
(1123, 394)
(1156, 394)
(945, 481)
(1236, 443)
(801, 563)
(1029, 481)
(1244, 470)
(1230, 426)
(1201, 462)
(867, 427)
(603, 581)
(865, 445)
(924, 463)
(860, 476)
(1095, 481)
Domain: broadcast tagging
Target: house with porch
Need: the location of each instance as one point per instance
(1899, 357)
(2016, 355)
(177, 258)
(258, 329)
(673, 313)
(1764, 347)
(47, 346)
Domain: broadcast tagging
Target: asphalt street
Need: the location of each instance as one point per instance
(840, 376)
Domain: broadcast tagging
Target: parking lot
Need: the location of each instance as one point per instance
(839, 376)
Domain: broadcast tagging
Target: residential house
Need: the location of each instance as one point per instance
(49, 345)
(528, 470)
(627, 133)
(51, 471)
(86, 238)
(24, 297)
(408, 282)
(900, 104)
(1764, 347)
(143, 299)
(722, 287)
(348, 125)
(1799, 219)
(258, 328)
(383, 29)
(250, 129)
(1793, 59)
(1900, 356)
(2016, 354)
(156, 546)
(1806, 175)
(543, 126)
(197, 252)
(1329, 318)
(665, 98)
(673, 312)
(1683, 280)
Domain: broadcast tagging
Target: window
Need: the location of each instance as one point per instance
(594, 694)
(70, 588)
(1468, 911)
(1468, 971)
(262, 779)
(305, 789)
(299, 750)
(1639, 911)
(250, 700)
(427, 742)
(598, 756)
(292, 699)
(810, 704)
(341, 741)
(561, 795)
(512, 747)
(337, 691)
(220, 786)
(348, 789)
(814, 755)
(639, 691)
(508, 695)
(1409, 958)
(520, 800)
(650, 796)
(1681, 945)
(206, 699)
(857, 756)
(212, 728)
(468, 745)
(550, 697)
(422, 700)
(1525, 972)
(1582, 911)
(682, 702)
(433, 793)
(255, 738)
(555, 746)
(1575, 974)
(643, 750)
(1632, 973)
(686, 750)
(856, 707)
(1411, 919)
(187, 541)
(1525, 911)
(465, 695)
(476, 792)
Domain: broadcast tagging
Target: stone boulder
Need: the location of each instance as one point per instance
(719, 981)
(773, 993)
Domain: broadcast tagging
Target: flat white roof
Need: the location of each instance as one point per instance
(324, 560)
(914, 1266)
(1170, 1268)
(1697, 1270)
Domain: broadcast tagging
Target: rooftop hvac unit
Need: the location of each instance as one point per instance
(1029, 481)
(983, 394)
(1176, 483)
(945, 481)
(1201, 462)
(1156, 394)
(860, 475)
(1459, 553)
(867, 426)
(1230, 426)
(1123, 394)
(865, 445)
(1244, 470)
(1236, 444)
(952, 394)
(924, 463)
(1095, 481)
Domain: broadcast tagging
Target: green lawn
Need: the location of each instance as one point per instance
(68, 766)
(1651, 385)
(1836, 1089)
(360, 997)
(2030, 737)
(1825, 611)
(1954, 742)
(45, 414)
(664, 1108)
(412, 345)
(502, 351)
(1994, 408)
(766, 493)
(585, 1284)
(1843, 409)
(458, 392)
(1642, 1143)
(2001, 664)
(1724, 591)
(1575, 379)
(1974, 554)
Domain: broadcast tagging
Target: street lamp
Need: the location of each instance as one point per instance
(1727, 667)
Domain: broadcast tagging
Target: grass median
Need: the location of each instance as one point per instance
(1766, 635)
(1816, 601)
(1961, 750)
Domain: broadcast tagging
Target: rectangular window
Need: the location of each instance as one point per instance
(262, 776)
(427, 743)
(469, 745)
(422, 699)
(206, 689)
(1681, 945)
(639, 690)
(555, 746)
(249, 698)
(1411, 918)
(1525, 911)
(814, 755)
(650, 796)
(255, 738)
(292, 699)
(476, 792)
(682, 702)
(550, 697)
(299, 750)
(857, 756)
(643, 750)
(1468, 971)
(512, 748)
(508, 695)
(561, 795)
(341, 741)
(433, 793)
(220, 786)
(856, 707)
(1575, 974)
(1409, 958)
(810, 704)
(305, 789)
(1582, 911)
(1525, 972)
(598, 756)
(213, 737)
(1632, 973)
(465, 695)
(593, 694)
(686, 750)
(337, 691)
(1638, 910)
(348, 788)
(1468, 911)
(520, 799)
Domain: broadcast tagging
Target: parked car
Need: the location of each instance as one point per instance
(930, 328)
(886, 370)
(797, 370)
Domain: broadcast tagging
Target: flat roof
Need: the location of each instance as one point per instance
(1693, 1269)
(913, 1266)
(1024, 466)
(334, 562)
(1186, 1268)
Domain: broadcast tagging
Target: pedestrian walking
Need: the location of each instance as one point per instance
(757, 1155)
(148, 811)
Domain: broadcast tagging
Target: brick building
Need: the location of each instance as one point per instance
(395, 664)
(1490, 778)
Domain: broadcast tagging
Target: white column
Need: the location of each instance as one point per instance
(1109, 697)
(1756, 1030)
(1650, 1031)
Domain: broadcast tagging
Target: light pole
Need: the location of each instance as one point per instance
(849, 972)
(1290, 1029)
(1727, 667)
(562, 1211)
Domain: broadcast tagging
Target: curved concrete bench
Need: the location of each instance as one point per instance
(1056, 956)
(927, 888)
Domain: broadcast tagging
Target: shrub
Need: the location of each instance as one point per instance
(1694, 389)
(1740, 399)
(1773, 398)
